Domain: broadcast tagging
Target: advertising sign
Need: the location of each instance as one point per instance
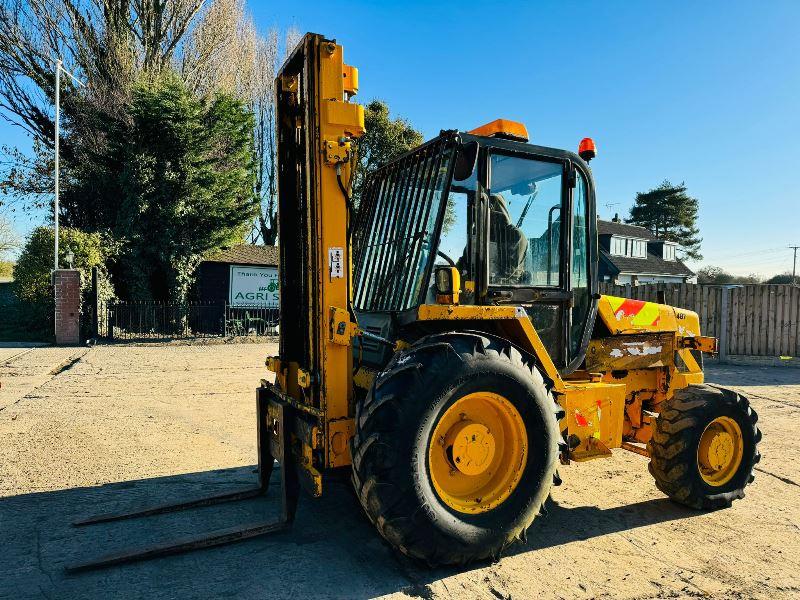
(254, 286)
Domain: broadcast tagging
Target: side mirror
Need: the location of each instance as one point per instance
(466, 159)
(448, 285)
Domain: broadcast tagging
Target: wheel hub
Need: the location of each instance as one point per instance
(478, 452)
(720, 451)
(473, 447)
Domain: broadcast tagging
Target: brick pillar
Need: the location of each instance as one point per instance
(67, 289)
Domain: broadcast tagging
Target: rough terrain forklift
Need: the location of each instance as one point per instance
(445, 339)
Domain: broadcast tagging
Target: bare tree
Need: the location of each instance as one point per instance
(25, 180)
(292, 38)
(213, 45)
(9, 240)
(266, 227)
(107, 43)
(268, 57)
(220, 52)
(158, 26)
(102, 40)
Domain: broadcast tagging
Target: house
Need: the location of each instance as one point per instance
(630, 254)
(241, 275)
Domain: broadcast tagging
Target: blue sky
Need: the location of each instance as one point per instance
(705, 93)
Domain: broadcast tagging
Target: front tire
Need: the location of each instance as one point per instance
(455, 448)
(704, 447)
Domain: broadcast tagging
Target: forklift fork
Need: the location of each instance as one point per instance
(274, 444)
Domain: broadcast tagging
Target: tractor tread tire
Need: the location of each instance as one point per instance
(673, 445)
(382, 444)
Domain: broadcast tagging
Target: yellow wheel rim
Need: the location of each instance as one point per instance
(720, 451)
(478, 452)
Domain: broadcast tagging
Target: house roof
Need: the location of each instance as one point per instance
(624, 230)
(246, 254)
(651, 265)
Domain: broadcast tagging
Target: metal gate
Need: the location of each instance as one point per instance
(151, 320)
(163, 320)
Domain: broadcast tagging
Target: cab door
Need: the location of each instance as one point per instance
(537, 246)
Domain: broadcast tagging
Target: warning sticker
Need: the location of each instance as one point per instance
(336, 262)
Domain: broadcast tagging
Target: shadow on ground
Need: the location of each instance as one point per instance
(332, 550)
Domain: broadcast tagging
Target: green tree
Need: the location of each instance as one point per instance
(32, 273)
(670, 214)
(384, 140)
(185, 178)
(173, 179)
(719, 276)
(711, 274)
(782, 278)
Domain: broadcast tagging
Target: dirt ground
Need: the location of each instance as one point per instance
(96, 430)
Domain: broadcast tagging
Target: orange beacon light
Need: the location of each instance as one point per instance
(587, 149)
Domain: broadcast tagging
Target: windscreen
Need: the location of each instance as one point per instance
(399, 214)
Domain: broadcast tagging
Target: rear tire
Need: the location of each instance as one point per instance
(677, 451)
(394, 461)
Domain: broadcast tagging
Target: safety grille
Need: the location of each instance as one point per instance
(401, 210)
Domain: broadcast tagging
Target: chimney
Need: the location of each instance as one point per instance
(616, 218)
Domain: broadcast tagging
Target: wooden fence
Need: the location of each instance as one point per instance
(750, 320)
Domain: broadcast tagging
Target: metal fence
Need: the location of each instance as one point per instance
(170, 320)
(754, 320)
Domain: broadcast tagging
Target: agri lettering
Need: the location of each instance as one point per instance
(256, 296)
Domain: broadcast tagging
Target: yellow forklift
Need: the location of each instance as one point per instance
(443, 338)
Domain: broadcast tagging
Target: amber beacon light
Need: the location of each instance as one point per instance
(587, 149)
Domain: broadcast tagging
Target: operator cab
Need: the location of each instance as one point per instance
(516, 220)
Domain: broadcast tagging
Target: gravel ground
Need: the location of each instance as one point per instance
(101, 429)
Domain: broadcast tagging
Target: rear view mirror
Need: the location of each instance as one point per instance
(466, 159)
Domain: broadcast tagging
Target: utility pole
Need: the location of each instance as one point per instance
(58, 124)
(794, 263)
(59, 69)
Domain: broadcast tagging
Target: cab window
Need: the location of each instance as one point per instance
(524, 221)
(455, 241)
(457, 227)
(580, 265)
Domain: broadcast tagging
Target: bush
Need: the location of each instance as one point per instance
(718, 276)
(32, 274)
(6, 269)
